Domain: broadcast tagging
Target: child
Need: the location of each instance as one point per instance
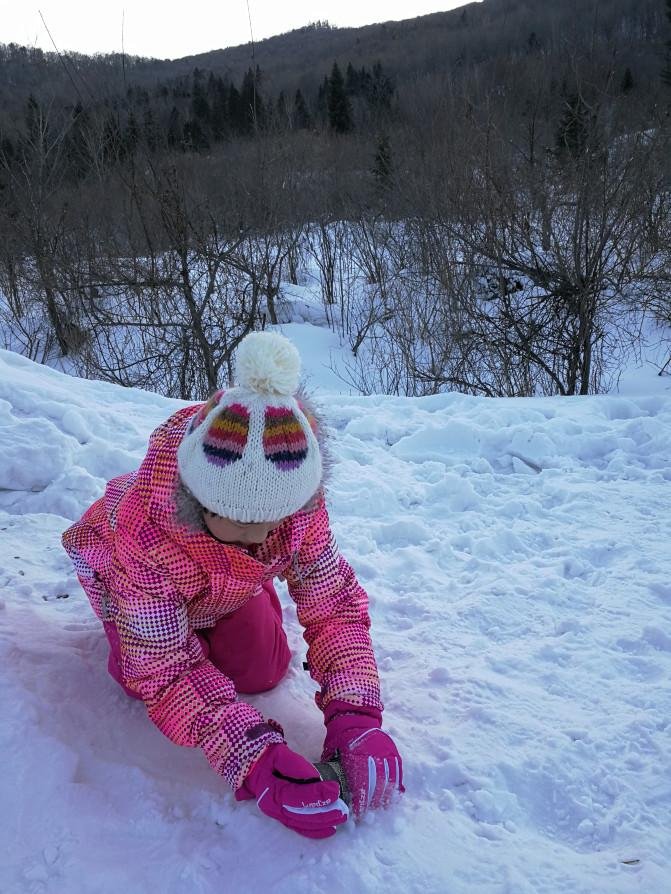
(177, 559)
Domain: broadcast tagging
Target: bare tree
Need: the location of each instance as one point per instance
(36, 221)
(560, 244)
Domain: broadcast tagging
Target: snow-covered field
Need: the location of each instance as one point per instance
(517, 556)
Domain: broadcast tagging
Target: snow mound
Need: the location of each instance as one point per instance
(516, 553)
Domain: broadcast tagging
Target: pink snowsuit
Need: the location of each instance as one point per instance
(156, 583)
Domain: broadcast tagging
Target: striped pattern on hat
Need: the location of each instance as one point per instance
(225, 439)
(284, 441)
(206, 408)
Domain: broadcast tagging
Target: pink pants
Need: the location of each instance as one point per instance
(249, 645)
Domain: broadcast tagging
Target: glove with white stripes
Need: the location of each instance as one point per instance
(368, 756)
(288, 788)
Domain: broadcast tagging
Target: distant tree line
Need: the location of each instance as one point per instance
(195, 114)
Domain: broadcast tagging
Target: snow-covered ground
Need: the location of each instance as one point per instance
(517, 556)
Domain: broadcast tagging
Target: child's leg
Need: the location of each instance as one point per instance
(114, 660)
(250, 646)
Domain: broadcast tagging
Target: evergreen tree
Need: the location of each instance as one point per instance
(132, 134)
(382, 165)
(339, 108)
(200, 107)
(77, 143)
(252, 102)
(666, 73)
(380, 88)
(302, 119)
(574, 128)
(236, 112)
(34, 121)
(282, 111)
(365, 82)
(351, 80)
(323, 99)
(113, 143)
(7, 153)
(195, 137)
(627, 81)
(149, 129)
(174, 136)
(219, 119)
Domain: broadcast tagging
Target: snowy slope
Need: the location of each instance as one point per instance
(517, 557)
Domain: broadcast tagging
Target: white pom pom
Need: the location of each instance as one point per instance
(268, 363)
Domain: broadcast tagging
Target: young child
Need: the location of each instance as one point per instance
(177, 559)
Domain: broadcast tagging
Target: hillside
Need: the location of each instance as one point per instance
(471, 36)
(451, 43)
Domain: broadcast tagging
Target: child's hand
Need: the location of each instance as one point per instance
(369, 758)
(288, 788)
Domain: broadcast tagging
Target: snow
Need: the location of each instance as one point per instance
(516, 553)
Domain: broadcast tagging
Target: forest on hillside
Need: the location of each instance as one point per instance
(484, 193)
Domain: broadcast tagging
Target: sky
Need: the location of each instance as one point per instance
(167, 30)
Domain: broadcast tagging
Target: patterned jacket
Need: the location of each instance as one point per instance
(159, 582)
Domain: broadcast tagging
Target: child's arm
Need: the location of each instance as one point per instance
(333, 608)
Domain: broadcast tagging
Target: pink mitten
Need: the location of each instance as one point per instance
(288, 788)
(368, 756)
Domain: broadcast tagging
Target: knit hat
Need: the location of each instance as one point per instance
(250, 453)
